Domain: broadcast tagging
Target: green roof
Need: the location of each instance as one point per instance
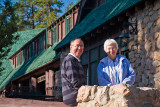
(10, 73)
(97, 17)
(24, 38)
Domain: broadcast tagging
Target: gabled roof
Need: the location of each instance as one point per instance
(24, 38)
(10, 73)
(97, 17)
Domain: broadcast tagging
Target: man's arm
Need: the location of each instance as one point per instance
(73, 74)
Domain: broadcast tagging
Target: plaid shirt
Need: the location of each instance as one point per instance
(73, 78)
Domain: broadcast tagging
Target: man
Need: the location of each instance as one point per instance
(72, 73)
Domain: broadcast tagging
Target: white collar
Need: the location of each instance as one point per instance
(75, 57)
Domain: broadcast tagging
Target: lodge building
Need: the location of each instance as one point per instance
(33, 65)
(33, 68)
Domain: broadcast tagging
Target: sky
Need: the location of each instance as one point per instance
(66, 2)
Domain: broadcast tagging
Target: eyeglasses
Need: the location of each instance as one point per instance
(111, 48)
(78, 46)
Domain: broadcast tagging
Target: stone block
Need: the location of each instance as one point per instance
(120, 95)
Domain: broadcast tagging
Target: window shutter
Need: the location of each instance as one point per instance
(55, 34)
(18, 59)
(66, 26)
(71, 22)
(23, 55)
(42, 43)
(31, 50)
(46, 37)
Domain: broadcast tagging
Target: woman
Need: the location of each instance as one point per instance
(114, 69)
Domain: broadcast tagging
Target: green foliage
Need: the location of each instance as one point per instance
(8, 25)
(69, 6)
(25, 11)
(37, 13)
(46, 12)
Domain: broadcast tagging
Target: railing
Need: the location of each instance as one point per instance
(57, 92)
(25, 92)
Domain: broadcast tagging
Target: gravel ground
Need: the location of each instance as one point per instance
(17, 102)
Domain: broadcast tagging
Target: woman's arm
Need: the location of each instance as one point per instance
(103, 78)
(130, 78)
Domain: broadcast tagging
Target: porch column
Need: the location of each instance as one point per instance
(51, 82)
(33, 84)
(47, 81)
(19, 88)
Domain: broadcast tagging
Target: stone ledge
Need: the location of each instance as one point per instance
(120, 95)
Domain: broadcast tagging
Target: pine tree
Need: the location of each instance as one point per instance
(25, 10)
(47, 12)
(38, 13)
(8, 25)
(69, 6)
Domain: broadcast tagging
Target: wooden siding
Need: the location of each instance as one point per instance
(62, 26)
(54, 33)
(75, 18)
(59, 32)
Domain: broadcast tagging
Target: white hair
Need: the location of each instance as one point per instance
(71, 43)
(108, 42)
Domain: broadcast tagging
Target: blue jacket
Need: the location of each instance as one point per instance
(107, 68)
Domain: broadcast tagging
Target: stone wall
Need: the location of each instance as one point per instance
(120, 95)
(145, 47)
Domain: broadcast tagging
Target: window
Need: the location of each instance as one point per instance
(63, 29)
(18, 59)
(89, 60)
(93, 65)
(84, 62)
(41, 43)
(23, 55)
(36, 46)
(31, 49)
(59, 33)
(15, 61)
(45, 46)
(21, 58)
(94, 78)
(49, 37)
(68, 24)
(102, 52)
(54, 35)
(26, 53)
